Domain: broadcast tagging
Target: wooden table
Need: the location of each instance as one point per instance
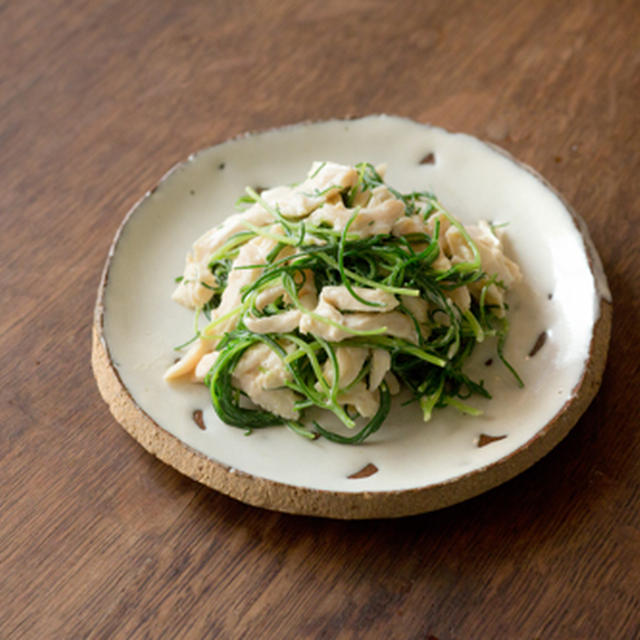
(99, 539)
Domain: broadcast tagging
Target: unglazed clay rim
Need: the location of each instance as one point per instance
(288, 498)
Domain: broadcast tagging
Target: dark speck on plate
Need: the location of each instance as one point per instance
(365, 472)
(542, 338)
(484, 439)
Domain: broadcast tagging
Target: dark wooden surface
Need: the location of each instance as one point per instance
(97, 538)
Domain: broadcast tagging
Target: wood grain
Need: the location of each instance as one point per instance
(97, 538)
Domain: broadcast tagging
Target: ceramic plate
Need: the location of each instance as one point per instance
(560, 319)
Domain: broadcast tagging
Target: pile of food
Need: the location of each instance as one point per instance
(335, 293)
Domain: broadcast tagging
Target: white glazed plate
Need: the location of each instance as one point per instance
(418, 466)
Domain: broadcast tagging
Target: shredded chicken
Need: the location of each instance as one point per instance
(377, 217)
(341, 298)
(324, 318)
(392, 383)
(324, 183)
(364, 401)
(253, 252)
(493, 262)
(189, 360)
(278, 323)
(260, 373)
(204, 366)
(380, 365)
(417, 306)
(190, 292)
